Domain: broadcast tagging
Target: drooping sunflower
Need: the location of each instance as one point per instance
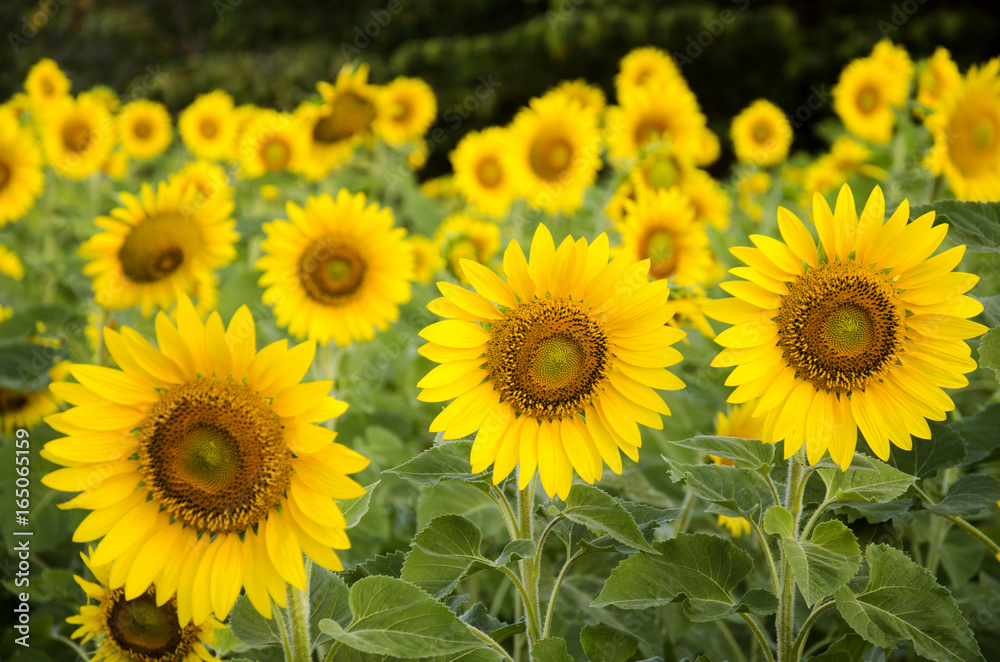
(462, 237)
(144, 128)
(427, 258)
(938, 79)
(78, 135)
(482, 173)
(761, 134)
(141, 629)
(158, 246)
(710, 202)
(208, 180)
(554, 367)
(739, 423)
(966, 129)
(660, 227)
(590, 97)
(21, 176)
(26, 408)
(406, 109)
(864, 98)
(46, 83)
(649, 115)
(10, 264)
(203, 464)
(553, 153)
(862, 334)
(337, 269)
(208, 126)
(646, 67)
(272, 142)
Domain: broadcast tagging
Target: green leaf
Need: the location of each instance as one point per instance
(700, 570)
(250, 627)
(552, 649)
(859, 462)
(604, 643)
(944, 449)
(478, 616)
(601, 513)
(739, 492)
(393, 617)
(442, 553)
(514, 550)
(850, 648)
(876, 512)
(903, 602)
(750, 453)
(826, 562)
(961, 555)
(970, 495)
(779, 522)
(759, 601)
(447, 460)
(24, 366)
(979, 433)
(327, 599)
(884, 484)
(989, 351)
(991, 310)
(385, 565)
(354, 509)
(975, 224)
(508, 631)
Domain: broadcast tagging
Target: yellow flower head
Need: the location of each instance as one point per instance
(22, 408)
(203, 464)
(709, 148)
(939, 78)
(748, 187)
(710, 202)
(761, 134)
(144, 128)
(406, 109)
(650, 115)
(482, 173)
(337, 269)
(21, 175)
(862, 333)
(78, 135)
(864, 97)
(661, 168)
(116, 165)
(647, 67)
(555, 366)
(272, 142)
(590, 97)
(898, 63)
(46, 83)
(208, 127)
(427, 258)
(208, 180)
(462, 237)
(105, 96)
(10, 264)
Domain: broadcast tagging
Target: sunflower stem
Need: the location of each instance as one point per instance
(529, 578)
(298, 618)
(687, 507)
(100, 319)
(786, 599)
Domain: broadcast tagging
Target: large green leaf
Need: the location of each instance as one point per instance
(384, 565)
(944, 449)
(975, 224)
(552, 649)
(327, 599)
(749, 453)
(598, 511)
(850, 648)
(700, 570)
(394, 617)
(903, 602)
(883, 484)
(970, 495)
(442, 553)
(979, 432)
(447, 460)
(739, 492)
(355, 509)
(250, 627)
(604, 643)
(989, 351)
(825, 562)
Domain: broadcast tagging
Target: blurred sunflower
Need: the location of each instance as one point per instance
(15, 108)
(661, 168)
(103, 95)
(898, 63)
(748, 188)
(554, 367)
(650, 115)
(761, 134)
(46, 83)
(116, 165)
(343, 122)
(462, 237)
(966, 130)
(336, 269)
(709, 148)
(590, 97)
(710, 202)
(427, 258)
(78, 136)
(144, 129)
(660, 227)
(208, 180)
(207, 126)
(211, 472)
(740, 423)
(864, 336)
(481, 171)
(272, 142)
(10, 264)
(938, 79)
(158, 246)
(26, 409)
(406, 109)
(620, 199)
(143, 629)
(864, 98)
(646, 67)
(21, 175)
(846, 157)
(553, 154)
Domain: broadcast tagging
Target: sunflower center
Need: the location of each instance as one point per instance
(12, 401)
(145, 632)
(157, 247)
(4, 175)
(662, 174)
(489, 173)
(209, 128)
(867, 99)
(547, 357)
(651, 129)
(401, 111)
(142, 130)
(550, 157)
(984, 133)
(659, 248)
(331, 271)
(841, 326)
(275, 154)
(350, 114)
(47, 87)
(76, 136)
(761, 132)
(213, 455)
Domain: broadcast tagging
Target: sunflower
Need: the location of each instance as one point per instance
(144, 628)
(661, 168)
(590, 97)
(78, 136)
(650, 115)
(481, 171)
(10, 264)
(556, 366)
(553, 153)
(862, 334)
(203, 464)
(740, 423)
(864, 98)
(709, 148)
(462, 237)
(116, 165)
(898, 63)
(748, 187)
(144, 128)
(15, 108)
(105, 96)
(660, 227)
(46, 83)
(620, 199)
(26, 408)
(710, 202)
(272, 142)
(337, 269)
(846, 157)
(406, 109)
(21, 175)
(158, 246)
(207, 126)
(761, 134)
(646, 67)
(938, 79)
(427, 258)
(966, 129)
(208, 180)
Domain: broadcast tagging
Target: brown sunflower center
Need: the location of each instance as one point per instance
(547, 357)
(213, 455)
(4, 175)
(275, 153)
(209, 128)
(550, 156)
(350, 114)
(12, 401)
(658, 247)
(401, 111)
(157, 247)
(76, 136)
(331, 271)
(489, 172)
(142, 129)
(48, 88)
(841, 326)
(651, 129)
(143, 632)
(761, 132)
(867, 99)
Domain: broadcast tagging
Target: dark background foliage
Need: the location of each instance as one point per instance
(272, 53)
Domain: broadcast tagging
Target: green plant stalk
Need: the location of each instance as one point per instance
(529, 578)
(786, 599)
(800, 640)
(687, 507)
(964, 524)
(298, 620)
(759, 635)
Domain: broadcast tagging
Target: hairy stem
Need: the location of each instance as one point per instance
(800, 640)
(786, 598)
(761, 641)
(298, 618)
(525, 508)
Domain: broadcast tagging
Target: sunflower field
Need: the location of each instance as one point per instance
(269, 391)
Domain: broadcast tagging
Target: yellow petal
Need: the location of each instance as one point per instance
(488, 283)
